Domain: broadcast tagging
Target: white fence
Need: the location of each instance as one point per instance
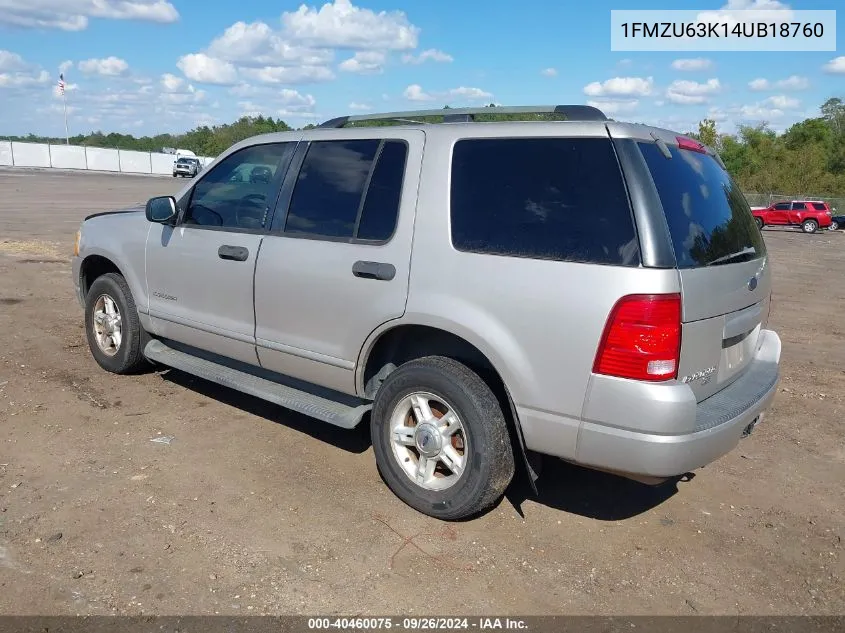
(14, 154)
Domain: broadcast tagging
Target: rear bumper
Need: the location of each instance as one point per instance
(715, 425)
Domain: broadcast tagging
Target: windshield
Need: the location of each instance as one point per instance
(709, 220)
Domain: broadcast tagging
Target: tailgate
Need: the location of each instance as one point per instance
(721, 260)
(723, 313)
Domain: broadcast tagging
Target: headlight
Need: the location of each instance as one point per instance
(76, 244)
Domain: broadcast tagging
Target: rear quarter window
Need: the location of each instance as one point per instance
(819, 206)
(709, 219)
(544, 198)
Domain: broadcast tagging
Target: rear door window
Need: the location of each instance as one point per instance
(349, 190)
(544, 198)
(709, 220)
(799, 206)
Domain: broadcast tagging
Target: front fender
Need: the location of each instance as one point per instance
(121, 239)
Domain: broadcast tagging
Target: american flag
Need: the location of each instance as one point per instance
(62, 84)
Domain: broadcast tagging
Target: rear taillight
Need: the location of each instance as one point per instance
(691, 144)
(642, 338)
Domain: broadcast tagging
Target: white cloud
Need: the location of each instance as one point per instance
(793, 82)
(693, 64)
(782, 102)
(201, 68)
(835, 65)
(432, 54)
(364, 63)
(73, 15)
(24, 80)
(65, 66)
(686, 92)
(172, 83)
(256, 44)
(469, 93)
(621, 87)
(757, 5)
(361, 107)
(414, 92)
(549, 72)
(10, 61)
(306, 45)
(288, 74)
(614, 106)
(343, 25)
(107, 67)
(759, 112)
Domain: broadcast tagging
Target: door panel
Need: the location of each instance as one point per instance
(199, 298)
(318, 296)
(200, 272)
(779, 214)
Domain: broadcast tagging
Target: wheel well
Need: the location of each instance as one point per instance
(95, 266)
(408, 342)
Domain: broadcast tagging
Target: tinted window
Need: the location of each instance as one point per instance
(381, 204)
(782, 206)
(709, 219)
(329, 188)
(238, 191)
(799, 206)
(819, 206)
(551, 198)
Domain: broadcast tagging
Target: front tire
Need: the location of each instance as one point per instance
(759, 222)
(440, 439)
(112, 327)
(809, 226)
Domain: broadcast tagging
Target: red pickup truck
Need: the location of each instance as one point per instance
(810, 215)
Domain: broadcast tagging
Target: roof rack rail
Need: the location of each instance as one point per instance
(463, 115)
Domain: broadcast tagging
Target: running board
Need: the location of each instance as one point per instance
(324, 409)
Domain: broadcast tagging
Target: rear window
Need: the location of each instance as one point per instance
(819, 206)
(709, 219)
(545, 198)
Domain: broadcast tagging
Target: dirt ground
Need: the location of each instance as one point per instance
(252, 509)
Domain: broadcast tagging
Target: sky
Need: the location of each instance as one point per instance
(153, 66)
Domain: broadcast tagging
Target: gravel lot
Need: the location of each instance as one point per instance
(253, 509)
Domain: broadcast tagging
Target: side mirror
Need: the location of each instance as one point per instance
(161, 210)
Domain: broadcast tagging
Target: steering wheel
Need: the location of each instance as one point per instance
(249, 213)
(202, 209)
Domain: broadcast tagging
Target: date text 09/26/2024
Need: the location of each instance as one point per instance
(417, 624)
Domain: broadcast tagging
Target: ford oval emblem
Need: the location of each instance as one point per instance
(752, 284)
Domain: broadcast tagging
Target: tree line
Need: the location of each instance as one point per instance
(808, 157)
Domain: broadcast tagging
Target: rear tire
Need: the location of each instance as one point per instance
(759, 222)
(413, 409)
(809, 226)
(112, 326)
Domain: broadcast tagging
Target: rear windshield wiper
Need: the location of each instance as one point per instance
(745, 254)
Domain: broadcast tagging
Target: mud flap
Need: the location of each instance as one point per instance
(532, 474)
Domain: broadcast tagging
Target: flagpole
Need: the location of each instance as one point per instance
(64, 102)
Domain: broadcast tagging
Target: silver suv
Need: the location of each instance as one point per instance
(189, 167)
(586, 289)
